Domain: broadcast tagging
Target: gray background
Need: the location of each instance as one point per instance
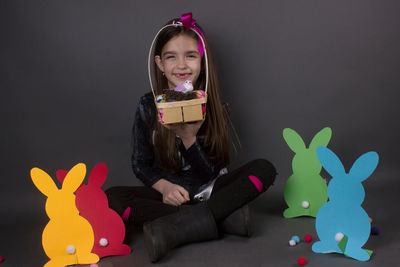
(71, 73)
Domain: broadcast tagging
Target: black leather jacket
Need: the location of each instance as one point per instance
(196, 170)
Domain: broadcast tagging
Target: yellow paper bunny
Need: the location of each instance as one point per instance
(68, 238)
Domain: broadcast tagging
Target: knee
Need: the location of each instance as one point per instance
(112, 191)
(263, 170)
(114, 198)
(113, 194)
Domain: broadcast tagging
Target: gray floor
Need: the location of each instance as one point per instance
(21, 236)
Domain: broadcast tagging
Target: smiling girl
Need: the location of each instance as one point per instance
(188, 195)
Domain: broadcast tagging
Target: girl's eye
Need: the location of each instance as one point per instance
(169, 57)
(192, 56)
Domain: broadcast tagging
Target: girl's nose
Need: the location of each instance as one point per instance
(181, 63)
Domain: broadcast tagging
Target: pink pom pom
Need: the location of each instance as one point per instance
(308, 238)
(301, 261)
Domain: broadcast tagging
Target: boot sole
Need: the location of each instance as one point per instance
(244, 223)
(245, 210)
(246, 215)
(150, 243)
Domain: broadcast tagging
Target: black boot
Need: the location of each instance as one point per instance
(238, 223)
(185, 226)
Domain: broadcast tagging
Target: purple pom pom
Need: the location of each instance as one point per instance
(375, 230)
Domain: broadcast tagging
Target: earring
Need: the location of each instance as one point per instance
(163, 74)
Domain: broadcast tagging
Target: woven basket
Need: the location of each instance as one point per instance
(180, 111)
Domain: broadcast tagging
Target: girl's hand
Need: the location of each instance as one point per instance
(173, 194)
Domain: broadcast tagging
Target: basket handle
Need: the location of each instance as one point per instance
(151, 50)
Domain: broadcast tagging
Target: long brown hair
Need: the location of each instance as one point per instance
(213, 134)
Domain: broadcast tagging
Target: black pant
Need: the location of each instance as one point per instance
(231, 191)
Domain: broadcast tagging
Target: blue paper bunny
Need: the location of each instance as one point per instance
(343, 213)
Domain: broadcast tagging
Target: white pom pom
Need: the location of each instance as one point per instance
(305, 204)
(339, 236)
(70, 249)
(103, 242)
(292, 243)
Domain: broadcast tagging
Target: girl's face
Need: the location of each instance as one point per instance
(180, 60)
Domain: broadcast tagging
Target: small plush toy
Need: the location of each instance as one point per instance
(305, 190)
(183, 91)
(343, 216)
(185, 87)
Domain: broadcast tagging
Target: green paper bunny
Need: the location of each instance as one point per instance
(305, 191)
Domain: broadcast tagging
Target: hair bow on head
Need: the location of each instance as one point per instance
(188, 22)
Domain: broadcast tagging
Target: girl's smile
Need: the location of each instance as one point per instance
(182, 76)
(180, 60)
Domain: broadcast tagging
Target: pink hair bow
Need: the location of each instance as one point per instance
(188, 22)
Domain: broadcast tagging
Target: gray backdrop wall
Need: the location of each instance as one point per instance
(71, 73)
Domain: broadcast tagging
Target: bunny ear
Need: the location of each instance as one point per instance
(364, 166)
(330, 161)
(60, 174)
(98, 175)
(322, 138)
(74, 178)
(43, 182)
(294, 140)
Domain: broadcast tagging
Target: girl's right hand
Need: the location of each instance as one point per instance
(173, 194)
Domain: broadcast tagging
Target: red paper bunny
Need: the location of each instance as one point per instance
(92, 203)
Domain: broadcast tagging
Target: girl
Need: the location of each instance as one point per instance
(188, 195)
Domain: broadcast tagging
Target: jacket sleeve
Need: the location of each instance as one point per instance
(198, 159)
(143, 162)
